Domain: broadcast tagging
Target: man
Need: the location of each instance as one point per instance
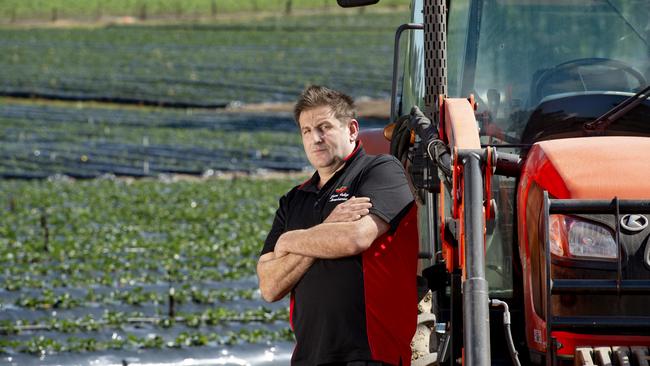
(335, 245)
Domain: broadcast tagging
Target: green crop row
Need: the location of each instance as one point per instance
(203, 65)
(14, 10)
(118, 320)
(65, 138)
(77, 126)
(42, 345)
(136, 239)
(48, 299)
(129, 232)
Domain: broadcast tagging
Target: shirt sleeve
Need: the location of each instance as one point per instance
(278, 228)
(386, 185)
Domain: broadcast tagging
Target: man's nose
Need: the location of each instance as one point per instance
(317, 136)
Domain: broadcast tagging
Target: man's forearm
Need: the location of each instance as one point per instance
(333, 240)
(278, 276)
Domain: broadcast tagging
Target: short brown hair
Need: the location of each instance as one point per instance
(318, 96)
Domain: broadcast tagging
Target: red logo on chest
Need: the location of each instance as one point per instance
(341, 189)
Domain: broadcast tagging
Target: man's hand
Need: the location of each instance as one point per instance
(279, 253)
(350, 210)
(333, 239)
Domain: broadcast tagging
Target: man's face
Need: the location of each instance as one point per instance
(326, 139)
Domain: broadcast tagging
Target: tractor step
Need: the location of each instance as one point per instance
(612, 356)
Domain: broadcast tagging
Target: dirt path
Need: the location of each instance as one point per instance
(369, 108)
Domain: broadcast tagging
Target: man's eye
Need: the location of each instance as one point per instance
(304, 132)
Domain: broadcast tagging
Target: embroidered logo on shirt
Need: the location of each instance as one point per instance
(340, 195)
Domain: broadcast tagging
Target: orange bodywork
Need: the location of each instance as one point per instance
(460, 126)
(578, 168)
(374, 141)
(460, 132)
(588, 168)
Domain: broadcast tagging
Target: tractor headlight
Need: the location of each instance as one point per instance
(577, 238)
(590, 240)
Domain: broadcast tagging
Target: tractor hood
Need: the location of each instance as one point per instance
(591, 167)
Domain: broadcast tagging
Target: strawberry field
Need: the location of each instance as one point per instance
(39, 141)
(18, 10)
(43, 140)
(99, 268)
(200, 65)
(108, 265)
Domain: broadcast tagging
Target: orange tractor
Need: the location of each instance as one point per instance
(531, 161)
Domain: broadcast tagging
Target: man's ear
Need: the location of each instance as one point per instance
(353, 126)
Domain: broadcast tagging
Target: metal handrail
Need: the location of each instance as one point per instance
(393, 91)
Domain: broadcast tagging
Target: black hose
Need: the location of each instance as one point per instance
(506, 326)
(439, 152)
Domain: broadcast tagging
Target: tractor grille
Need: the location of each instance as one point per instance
(612, 356)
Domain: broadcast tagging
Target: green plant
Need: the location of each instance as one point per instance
(118, 245)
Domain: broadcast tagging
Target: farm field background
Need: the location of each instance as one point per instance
(133, 205)
(41, 140)
(194, 65)
(17, 10)
(89, 266)
(194, 68)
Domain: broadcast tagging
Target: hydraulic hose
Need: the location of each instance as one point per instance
(428, 133)
(506, 326)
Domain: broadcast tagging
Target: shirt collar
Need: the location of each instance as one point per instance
(358, 150)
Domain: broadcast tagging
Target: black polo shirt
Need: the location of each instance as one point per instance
(329, 304)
